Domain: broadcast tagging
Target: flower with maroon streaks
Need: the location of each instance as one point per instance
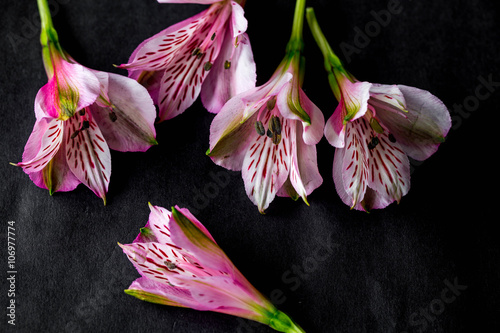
(80, 114)
(181, 265)
(209, 52)
(375, 128)
(270, 132)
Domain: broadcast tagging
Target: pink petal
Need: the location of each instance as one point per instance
(312, 133)
(266, 165)
(355, 97)
(182, 81)
(239, 23)
(427, 124)
(72, 88)
(187, 235)
(389, 170)
(43, 143)
(390, 95)
(88, 155)
(335, 128)
(233, 126)
(161, 293)
(350, 165)
(304, 173)
(222, 83)
(156, 52)
(133, 129)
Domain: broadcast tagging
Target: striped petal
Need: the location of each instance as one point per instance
(88, 155)
(223, 83)
(43, 144)
(156, 52)
(266, 165)
(350, 166)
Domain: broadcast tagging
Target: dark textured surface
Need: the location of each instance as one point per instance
(385, 271)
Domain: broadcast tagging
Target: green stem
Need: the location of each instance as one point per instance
(333, 65)
(48, 38)
(320, 39)
(298, 21)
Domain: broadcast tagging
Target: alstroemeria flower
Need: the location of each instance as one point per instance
(181, 265)
(375, 128)
(81, 114)
(209, 52)
(270, 133)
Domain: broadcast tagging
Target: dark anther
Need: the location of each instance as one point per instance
(259, 128)
(271, 103)
(392, 138)
(196, 51)
(373, 143)
(227, 64)
(85, 124)
(82, 112)
(213, 36)
(207, 66)
(276, 125)
(170, 265)
(200, 54)
(112, 116)
(75, 133)
(276, 138)
(269, 134)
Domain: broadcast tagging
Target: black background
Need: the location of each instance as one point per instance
(384, 270)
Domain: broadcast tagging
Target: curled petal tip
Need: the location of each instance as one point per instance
(14, 164)
(208, 152)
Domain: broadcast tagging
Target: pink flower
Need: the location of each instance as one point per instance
(209, 52)
(375, 128)
(81, 114)
(270, 132)
(181, 265)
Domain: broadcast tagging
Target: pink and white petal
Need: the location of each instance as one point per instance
(388, 95)
(156, 230)
(161, 293)
(182, 81)
(354, 167)
(188, 236)
(266, 165)
(239, 23)
(312, 133)
(222, 83)
(335, 128)
(88, 156)
(158, 51)
(427, 124)
(338, 179)
(389, 169)
(304, 173)
(133, 128)
(42, 145)
(231, 134)
(355, 97)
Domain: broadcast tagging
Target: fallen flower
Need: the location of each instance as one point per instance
(209, 52)
(181, 265)
(375, 128)
(81, 114)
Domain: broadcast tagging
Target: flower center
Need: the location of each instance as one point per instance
(268, 113)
